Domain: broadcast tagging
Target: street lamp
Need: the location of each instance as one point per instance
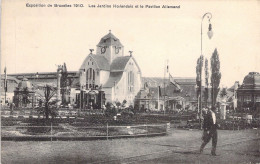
(210, 34)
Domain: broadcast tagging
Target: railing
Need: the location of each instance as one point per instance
(239, 124)
(69, 132)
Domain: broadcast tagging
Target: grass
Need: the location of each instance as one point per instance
(94, 125)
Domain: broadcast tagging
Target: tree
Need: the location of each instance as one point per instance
(64, 84)
(110, 109)
(199, 72)
(123, 104)
(206, 92)
(25, 95)
(49, 108)
(198, 80)
(215, 76)
(223, 92)
(118, 105)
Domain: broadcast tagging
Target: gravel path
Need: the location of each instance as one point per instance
(180, 146)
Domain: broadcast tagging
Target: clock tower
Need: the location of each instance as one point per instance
(110, 47)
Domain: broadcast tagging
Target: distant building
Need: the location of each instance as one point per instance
(111, 72)
(249, 93)
(107, 76)
(24, 95)
(175, 96)
(12, 83)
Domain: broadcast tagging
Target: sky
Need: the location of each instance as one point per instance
(39, 39)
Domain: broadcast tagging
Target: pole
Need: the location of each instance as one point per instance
(164, 91)
(158, 97)
(200, 106)
(200, 101)
(107, 130)
(5, 84)
(51, 131)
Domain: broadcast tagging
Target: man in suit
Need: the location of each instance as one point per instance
(210, 130)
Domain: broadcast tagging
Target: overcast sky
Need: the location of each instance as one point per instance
(38, 39)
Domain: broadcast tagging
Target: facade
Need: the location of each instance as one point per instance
(109, 75)
(248, 93)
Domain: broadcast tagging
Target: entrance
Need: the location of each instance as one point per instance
(93, 99)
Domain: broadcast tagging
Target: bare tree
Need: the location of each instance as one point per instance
(49, 108)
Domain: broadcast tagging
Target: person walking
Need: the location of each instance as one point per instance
(210, 130)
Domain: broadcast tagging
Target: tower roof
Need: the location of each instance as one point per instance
(251, 81)
(253, 78)
(109, 40)
(25, 84)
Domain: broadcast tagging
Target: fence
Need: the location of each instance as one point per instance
(69, 132)
(239, 124)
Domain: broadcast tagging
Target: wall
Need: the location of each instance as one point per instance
(122, 91)
(104, 75)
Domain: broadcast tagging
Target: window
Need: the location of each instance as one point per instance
(130, 81)
(90, 78)
(247, 98)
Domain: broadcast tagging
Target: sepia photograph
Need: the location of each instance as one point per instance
(123, 81)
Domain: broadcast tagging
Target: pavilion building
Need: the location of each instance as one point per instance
(248, 93)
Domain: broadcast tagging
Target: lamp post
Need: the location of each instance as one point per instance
(210, 34)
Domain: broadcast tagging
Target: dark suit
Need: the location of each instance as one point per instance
(210, 131)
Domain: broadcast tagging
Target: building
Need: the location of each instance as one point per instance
(164, 94)
(248, 94)
(7, 95)
(109, 75)
(24, 95)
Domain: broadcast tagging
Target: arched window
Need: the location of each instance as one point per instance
(130, 81)
(90, 78)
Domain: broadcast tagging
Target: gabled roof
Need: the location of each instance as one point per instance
(119, 63)
(113, 78)
(109, 40)
(100, 60)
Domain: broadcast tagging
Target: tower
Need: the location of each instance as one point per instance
(110, 47)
